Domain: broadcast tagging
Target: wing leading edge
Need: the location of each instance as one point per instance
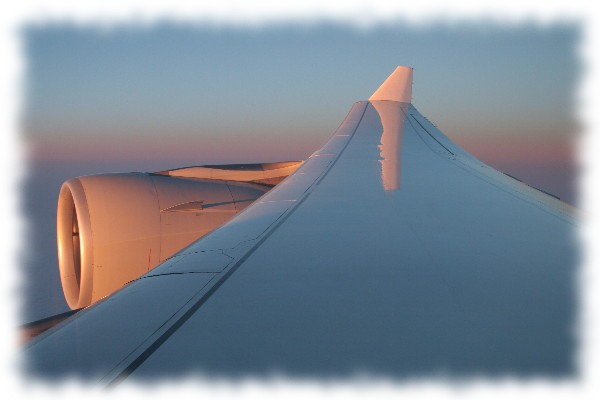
(390, 251)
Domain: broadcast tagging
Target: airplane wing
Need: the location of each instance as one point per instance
(390, 252)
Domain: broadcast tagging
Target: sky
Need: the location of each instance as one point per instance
(150, 98)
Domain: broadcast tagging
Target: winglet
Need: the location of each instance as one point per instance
(397, 87)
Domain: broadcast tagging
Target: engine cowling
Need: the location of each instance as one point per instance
(113, 228)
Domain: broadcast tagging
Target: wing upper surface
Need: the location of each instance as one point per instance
(390, 251)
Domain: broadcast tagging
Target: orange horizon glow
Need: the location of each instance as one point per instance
(188, 150)
(521, 150)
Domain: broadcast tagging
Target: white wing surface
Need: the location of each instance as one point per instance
(390, 252)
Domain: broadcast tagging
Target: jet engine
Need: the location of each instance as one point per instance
(113, 228)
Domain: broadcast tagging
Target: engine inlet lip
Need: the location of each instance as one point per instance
(74, 247)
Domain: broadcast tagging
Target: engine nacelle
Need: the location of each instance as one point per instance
(113, 228)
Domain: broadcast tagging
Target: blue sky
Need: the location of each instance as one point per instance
(285, 88)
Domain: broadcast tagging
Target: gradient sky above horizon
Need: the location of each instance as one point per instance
(171, 95)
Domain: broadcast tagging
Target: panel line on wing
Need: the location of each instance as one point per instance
(480, 170)
(193, 308)
(433, 137)
(119, 378)
(344, 147)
